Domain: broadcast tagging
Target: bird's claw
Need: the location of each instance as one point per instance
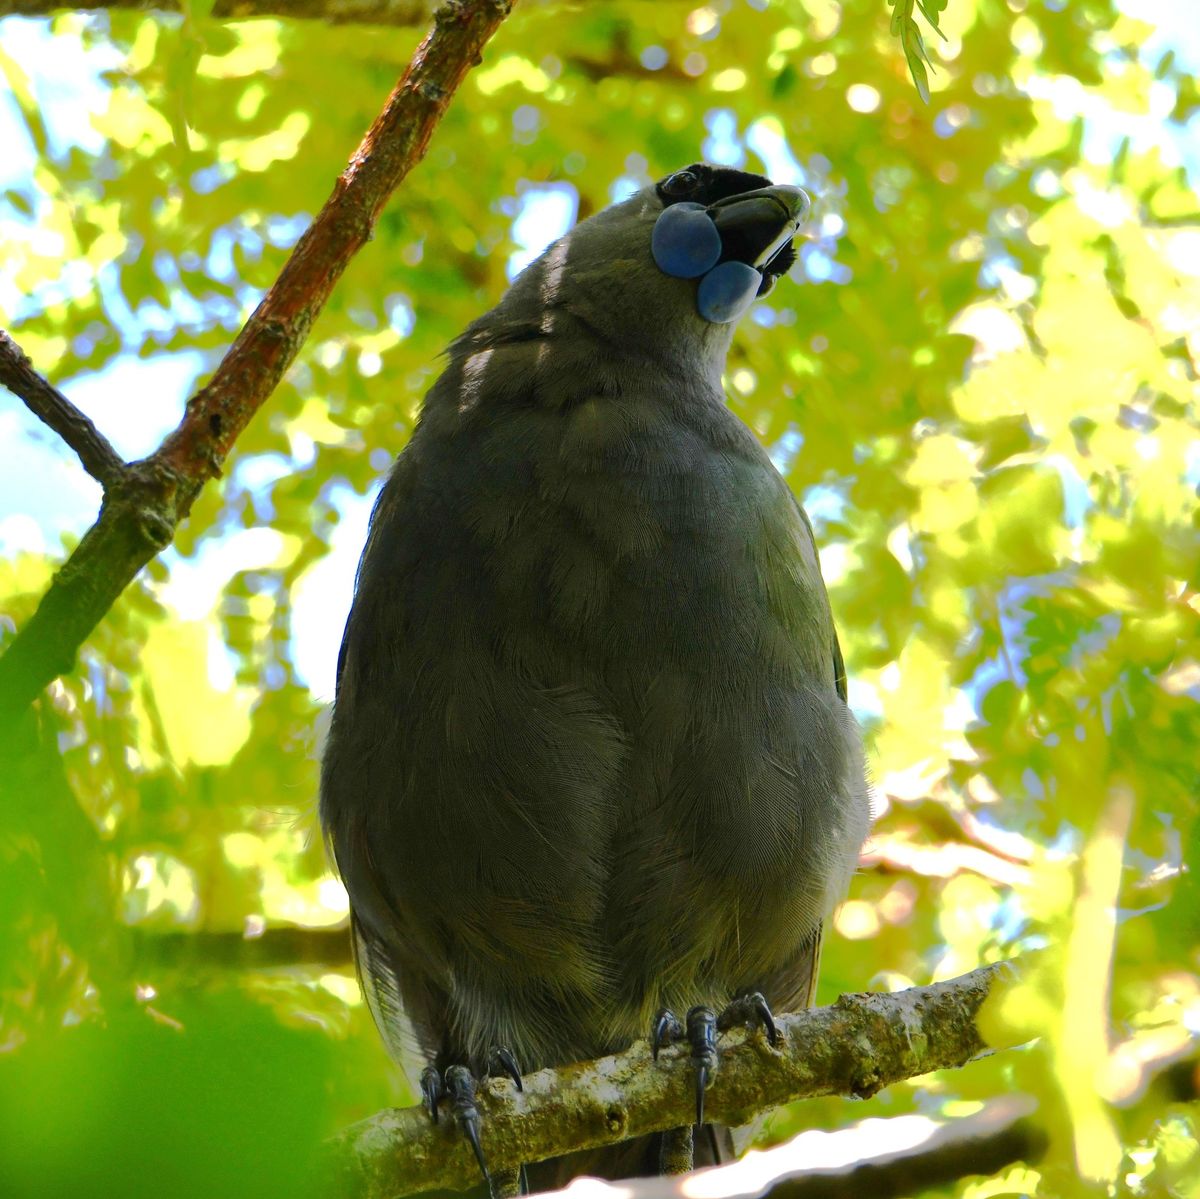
(702, 1037)
(751, 1009)
(700, 1031)
(503, 1059)
(432, 1090)
(457, 1085)
(665, 1031)
(460, 1089)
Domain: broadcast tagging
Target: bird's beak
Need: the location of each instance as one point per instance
(756, 225)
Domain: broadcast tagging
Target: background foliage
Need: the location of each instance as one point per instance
(982, 383)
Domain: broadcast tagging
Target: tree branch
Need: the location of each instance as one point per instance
(1003, 1132)
(140, 514)
(854, 1047)
(154, 951)
(903, 1155)
(53, 408)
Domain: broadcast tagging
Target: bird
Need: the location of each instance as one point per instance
(591, 773)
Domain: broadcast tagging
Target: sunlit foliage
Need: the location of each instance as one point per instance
(982, 383)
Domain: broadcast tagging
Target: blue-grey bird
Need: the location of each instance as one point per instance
(591, 762)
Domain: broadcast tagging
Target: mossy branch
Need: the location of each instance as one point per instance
(856, 1046)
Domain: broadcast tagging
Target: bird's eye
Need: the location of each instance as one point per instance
(680, 183)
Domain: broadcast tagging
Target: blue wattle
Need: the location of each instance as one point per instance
(685, 242)
(727, 291)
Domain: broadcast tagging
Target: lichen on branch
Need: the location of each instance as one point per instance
(856, 1046)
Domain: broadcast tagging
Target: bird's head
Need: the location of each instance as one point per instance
(665, 273)
(729, 230)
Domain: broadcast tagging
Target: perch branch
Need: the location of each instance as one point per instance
(140, 514)
(53, 408)
(853, 1047)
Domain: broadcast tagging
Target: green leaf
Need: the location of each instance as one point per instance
(904, 27)
(932, 16)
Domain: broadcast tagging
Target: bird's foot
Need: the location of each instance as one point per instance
(457, 1086)
(676, 1151)
(700, 1030)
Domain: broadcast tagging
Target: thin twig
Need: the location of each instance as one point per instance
(49, 405)
(140, 514)
(856, 1046)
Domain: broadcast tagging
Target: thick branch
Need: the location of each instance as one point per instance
(139, 516)
(49, 404)
(854, 1047)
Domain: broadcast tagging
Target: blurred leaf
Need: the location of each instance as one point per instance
(211, 1096)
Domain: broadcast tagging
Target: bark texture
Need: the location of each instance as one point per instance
(853, 1047)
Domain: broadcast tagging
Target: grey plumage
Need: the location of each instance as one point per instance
(590, 753)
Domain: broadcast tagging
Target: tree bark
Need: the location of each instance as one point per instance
(53, 408)
(853, 1047)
